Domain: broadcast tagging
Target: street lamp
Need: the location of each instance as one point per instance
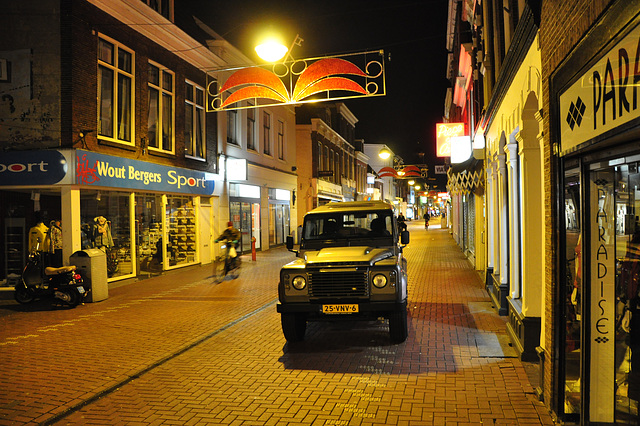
(273, 51)
(384, 153)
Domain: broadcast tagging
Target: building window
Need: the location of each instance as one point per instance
(251, 127)
(163, 7)
(232, 127)
(115, 92)
(320, 162)
(194, 123)
(280, 140)
(266, 129)
(161, 116)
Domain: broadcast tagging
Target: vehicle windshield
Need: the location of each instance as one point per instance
(345, 228)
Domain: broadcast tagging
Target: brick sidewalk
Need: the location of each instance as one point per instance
(178, 349)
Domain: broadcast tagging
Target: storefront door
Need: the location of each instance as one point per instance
(246, 217)
(148, 236)
(602, 316)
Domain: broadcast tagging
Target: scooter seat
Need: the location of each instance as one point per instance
(50, 270)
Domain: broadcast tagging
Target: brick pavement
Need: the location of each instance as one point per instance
(178, 349)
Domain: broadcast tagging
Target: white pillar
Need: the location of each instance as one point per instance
(503, 210)
(71, 224)
(490, 207)
(513, 174)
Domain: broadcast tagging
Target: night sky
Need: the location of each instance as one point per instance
(412, 34)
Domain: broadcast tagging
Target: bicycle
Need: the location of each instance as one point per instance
(225, 264)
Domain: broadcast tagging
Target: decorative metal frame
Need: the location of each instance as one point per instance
(297, 81)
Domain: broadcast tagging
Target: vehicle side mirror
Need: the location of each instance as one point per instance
(404, 238)
(290, 244)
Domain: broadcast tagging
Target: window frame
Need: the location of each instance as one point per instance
(167, 11)
(280, 139)
(197, 109)
(232, 128)
(115, 92)
(252, 139)
(266, 133)
(163, 92)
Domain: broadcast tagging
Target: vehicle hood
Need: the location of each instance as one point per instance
(358, 254)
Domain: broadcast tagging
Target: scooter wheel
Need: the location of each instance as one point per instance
(22, 295)
(73, 298)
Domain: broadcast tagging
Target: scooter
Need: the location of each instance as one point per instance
(63, 284)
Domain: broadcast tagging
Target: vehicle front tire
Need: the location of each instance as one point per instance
(23, 296)
(293, 326)
(398, 327)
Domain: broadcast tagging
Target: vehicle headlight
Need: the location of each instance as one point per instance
(299, 282)
(379, 280)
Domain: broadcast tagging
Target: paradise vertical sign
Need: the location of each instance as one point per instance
(602, 300)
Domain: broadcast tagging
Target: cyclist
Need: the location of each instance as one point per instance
(232, 235)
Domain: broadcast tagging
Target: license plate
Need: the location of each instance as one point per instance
(339, 309)
(80, 289)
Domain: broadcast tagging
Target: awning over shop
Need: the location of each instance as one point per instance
(465, 177)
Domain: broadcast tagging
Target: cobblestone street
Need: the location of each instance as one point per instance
(178, 349)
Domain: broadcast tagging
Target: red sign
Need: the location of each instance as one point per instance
(444, 132)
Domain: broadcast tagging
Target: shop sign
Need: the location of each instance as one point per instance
(95, 169)
(444, 133)
(602, 301)
(32, 167)
(604, 97)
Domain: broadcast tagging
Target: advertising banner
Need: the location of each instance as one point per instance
(28, 168)
(93, 169)
(604, 97)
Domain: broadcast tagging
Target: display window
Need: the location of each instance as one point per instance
(181, 233)
(148, 233)
(105, 224)
(601, 293)
(279, 220)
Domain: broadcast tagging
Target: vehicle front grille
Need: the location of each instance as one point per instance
(338, 284)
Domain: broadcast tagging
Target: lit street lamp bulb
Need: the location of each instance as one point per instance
(412, 182)
(384, 153)
(271, 51)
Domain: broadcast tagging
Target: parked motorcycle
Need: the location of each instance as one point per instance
(63, 284)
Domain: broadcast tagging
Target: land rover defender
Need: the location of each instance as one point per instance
(349, 266)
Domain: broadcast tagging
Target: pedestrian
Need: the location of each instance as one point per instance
(402, 226)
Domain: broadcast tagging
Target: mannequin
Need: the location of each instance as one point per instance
(39, 237)
(102, 233)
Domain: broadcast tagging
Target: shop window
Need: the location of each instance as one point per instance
(181, 231)
(194, 123)
(115, 92)
(148, 233)
(105, 224)
(279, 223)
(161, 109)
